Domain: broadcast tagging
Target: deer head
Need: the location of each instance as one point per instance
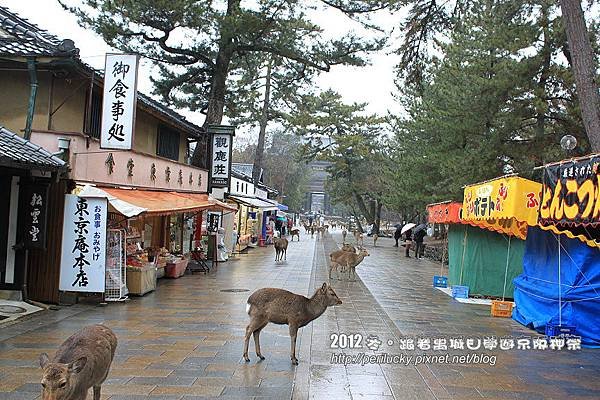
(59, 381)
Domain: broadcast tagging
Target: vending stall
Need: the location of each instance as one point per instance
(559, 289)
(486, 251)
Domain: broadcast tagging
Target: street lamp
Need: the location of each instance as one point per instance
(568, 143)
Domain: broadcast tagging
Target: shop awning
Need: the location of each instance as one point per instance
(570, 203)
(132, 202)
(507, 204)
(282, 207)
(447, 212)
(254, 202)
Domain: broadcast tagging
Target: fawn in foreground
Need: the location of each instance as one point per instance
(81, 362)
(285, 308)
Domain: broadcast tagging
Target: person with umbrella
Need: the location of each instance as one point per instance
(408, 233)
(419, 234)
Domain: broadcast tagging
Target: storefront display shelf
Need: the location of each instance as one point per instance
(176, 269)
(141, 280)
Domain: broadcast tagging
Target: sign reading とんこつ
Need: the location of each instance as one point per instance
(119, 101)
(82, 265)
(571, 193)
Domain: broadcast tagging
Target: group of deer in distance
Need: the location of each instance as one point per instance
(83, 361)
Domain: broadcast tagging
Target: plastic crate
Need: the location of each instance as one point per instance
(559, 330)
(501, 309)
(460, 292)
(440, 281)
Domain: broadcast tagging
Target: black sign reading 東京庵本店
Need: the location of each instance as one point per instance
(34, 206)
(570, 193)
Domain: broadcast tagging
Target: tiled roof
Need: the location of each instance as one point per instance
(242, 169)
(19, 37)
(18, 152)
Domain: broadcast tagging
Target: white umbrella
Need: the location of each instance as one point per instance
(407, 227)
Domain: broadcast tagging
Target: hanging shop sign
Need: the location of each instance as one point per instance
(221, 141)
(503, 198)
(444, 213)
(214, 221)
(119, 101)
(570, 193)
(34, 208)
(82, 266)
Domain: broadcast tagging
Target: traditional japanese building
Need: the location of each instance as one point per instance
(53, 100)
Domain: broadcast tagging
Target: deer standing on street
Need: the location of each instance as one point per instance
(285, 308)
(358, 238)
(347, 261)
(375, 237)
(295, 232)
(80, 363)
(280, 245)
(344, 233)
(346, 248)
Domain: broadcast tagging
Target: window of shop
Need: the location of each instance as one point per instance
(94, 119)
(167, 144)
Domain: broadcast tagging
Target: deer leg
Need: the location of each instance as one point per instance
(97, 392)
(293, 335)
(252, 326)
(256, 334)
(285, 254)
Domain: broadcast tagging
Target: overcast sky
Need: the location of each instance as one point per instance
(372, 84)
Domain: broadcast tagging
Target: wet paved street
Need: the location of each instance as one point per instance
(185, 340)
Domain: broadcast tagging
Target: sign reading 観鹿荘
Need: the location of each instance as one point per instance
(119, 101)
(82, 265)
(221, 160)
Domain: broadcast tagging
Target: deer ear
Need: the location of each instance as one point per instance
(324, 287)
(77, 365)
(44, 360)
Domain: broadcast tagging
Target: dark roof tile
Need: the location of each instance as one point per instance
(16, 151)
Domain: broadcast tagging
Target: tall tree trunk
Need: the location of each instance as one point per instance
(262, 132)
(378, 217)
(584, 69)
(363, 208)
(218, 87)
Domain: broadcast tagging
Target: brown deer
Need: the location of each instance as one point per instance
(335, 254)
(81, 362)
(348, 261)
(358, 237)
(295, 232)
(285, 308)
(280, 245)
(344, 233)
(375, 237)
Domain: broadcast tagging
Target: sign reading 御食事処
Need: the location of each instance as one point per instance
(82, 265)
(570, 193)
(220, 168)
(119, 101)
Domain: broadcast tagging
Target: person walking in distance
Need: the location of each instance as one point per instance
(397, 235)
(419, 236)
(408, 235)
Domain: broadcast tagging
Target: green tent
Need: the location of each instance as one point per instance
(478, 259)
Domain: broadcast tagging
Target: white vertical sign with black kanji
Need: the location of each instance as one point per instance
(221, 159)
(119, 101)
(82, 265)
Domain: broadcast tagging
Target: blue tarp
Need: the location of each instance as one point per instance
(537, 289)
(282, 207)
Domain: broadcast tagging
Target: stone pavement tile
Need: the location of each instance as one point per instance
(412, 393)
(369, 384)
(19, 395)
(164, 381)
(256, 391)
(128, 389)
(144, 397)
(133, 372)
(191, 390)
